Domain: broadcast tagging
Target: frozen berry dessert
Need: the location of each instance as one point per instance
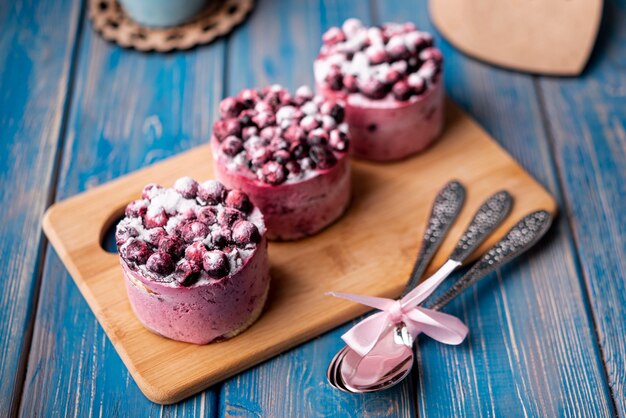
(289, 153)
(390, 80)
(194, 259)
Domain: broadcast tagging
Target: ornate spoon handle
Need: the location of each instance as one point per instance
(444, 212)
(488, 217)
(519, 239)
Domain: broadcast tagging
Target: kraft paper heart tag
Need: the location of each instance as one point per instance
(548, 37)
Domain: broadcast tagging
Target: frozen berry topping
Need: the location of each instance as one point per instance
(278, 137)
(393, 60)
(192, 232)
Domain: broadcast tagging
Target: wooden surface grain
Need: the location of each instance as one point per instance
(534, 309)
(547, 333)
(36, 53)
(128, 109)
(586, 121)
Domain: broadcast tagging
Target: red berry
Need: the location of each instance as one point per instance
(219, 130)
(417, 83)
(317, 137)
(232, 146)
(172, 245)
(239, 200)
(212, 192)
(270, 132)
(160, 263)
(432, 54)
(308, 123)
(259, 156)
(303, 94)
(136, 209)
(123, 233)
(230, 107)
(227, 216)
(136, 251)
(216, 264)
(186, 272)
(149, 190)
(153, 236)
(186, 187)
(248, 132)
(194, 231)
(322, 157)
(278, 144)
(294, 133)
(298, 150)
(281, 156)
(334, 78)
(402, 91)
(221, 238)
(376, 55)
(333, 35)
(195, 251)
(207, 215)
(152, 220)
(274, 173)
(248, 96)
(264, 119)
(232, 127)
(392, 76)
(293, 167)
(373, 89)
(245, 233)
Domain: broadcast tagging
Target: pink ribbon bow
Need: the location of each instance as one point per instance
(439, 326)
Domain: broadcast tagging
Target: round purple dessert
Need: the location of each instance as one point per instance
(288, 153)
(390, 80)
(194, 259)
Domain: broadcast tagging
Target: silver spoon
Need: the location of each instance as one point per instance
(488, 217)
(519, 239)
(446, 208)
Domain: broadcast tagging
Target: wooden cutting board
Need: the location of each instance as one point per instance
(542, 36)
(371, 251)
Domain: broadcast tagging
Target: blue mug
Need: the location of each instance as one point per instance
(162, 13)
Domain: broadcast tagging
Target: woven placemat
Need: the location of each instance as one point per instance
(110, 20)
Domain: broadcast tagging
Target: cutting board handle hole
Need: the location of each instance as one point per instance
(107, 236)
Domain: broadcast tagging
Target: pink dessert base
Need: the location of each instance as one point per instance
(388, 130)
(294, 210)
(202, 312)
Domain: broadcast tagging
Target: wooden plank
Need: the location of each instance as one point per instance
(36, 50)
(531, 349)
(278, 45)
(587, 125)
(128, 109)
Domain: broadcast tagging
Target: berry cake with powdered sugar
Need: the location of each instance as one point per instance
(289, 153)
(390, 80)
(194, 259)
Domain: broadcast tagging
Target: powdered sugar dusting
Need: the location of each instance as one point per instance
(372, 60)
(138, 239)
(275, 137)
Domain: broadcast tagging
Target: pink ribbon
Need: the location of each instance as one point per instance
(439, 326)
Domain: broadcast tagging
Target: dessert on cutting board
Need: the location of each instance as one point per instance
(390, 80)
(194, 259)
(288, 153)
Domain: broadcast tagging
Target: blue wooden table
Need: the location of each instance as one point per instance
(548, 333)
